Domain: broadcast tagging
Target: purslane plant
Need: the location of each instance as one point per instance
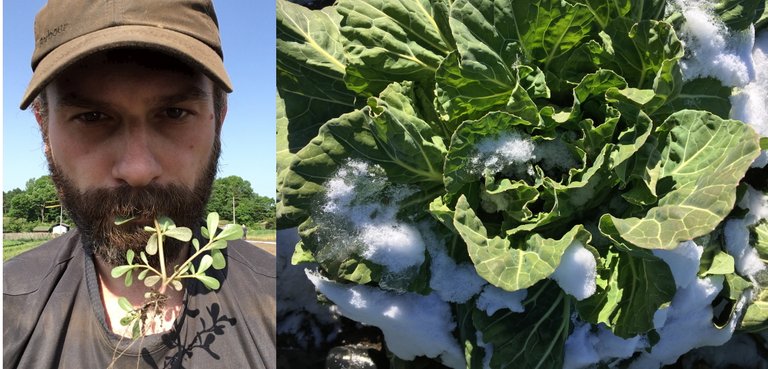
(160, 279)
(534, 143)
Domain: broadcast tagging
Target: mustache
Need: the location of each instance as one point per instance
(145, 203)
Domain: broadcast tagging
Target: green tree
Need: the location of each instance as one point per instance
(250, 208)
(32, 203)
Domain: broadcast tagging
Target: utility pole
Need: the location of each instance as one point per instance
(234, 218)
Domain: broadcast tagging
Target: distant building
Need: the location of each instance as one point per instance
(59, 229)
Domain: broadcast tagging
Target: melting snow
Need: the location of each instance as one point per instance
(577, 271)
(413, 325)
(493, 299)
(683, 261)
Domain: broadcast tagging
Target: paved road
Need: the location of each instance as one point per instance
(268, 246)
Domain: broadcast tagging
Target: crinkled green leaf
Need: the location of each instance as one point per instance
(722, 263)
(534, 339)
(310, 74)
(392, 41)
(508, 266)
(631, 287)
(703, 159)
(699, 94)
(638, 51)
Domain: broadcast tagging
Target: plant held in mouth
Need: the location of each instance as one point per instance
(160, 279)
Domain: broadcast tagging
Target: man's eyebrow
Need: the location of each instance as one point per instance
(193, 93)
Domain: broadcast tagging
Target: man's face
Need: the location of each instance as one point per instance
(130, 136)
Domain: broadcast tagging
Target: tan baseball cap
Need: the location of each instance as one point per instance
(69, 30)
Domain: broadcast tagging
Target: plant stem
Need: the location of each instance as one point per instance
(189, 260)
(161, 254)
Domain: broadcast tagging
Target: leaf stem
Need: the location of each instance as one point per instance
(160, 252)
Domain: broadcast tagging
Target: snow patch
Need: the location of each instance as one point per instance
(688, 324)
(413, 325)
(683, 261)
(497, 154)
(588, 346)
(359, 216)
(493, 299)
(748, 262)
(453, 282)
(577, 271)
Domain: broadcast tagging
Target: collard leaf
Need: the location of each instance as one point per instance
(699, 94)
(392, 41)
(633, 285)
(310, 74)
(703, 157)
(535, 339)
(637, 51)
(507, 266)
(722, 263)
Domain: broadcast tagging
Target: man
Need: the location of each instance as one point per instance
(130, 97)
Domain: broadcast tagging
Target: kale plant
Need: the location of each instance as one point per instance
(532, 175)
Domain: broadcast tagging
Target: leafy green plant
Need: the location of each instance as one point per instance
(160, 279)
(515, 130)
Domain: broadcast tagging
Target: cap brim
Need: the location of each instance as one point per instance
(188, 49)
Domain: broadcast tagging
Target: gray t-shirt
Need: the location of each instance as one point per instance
(53, 316)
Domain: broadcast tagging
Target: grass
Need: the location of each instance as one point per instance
(261, 235)
(12, 248)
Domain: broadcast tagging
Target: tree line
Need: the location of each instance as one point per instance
(37, 205)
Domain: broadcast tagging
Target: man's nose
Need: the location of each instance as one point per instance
(137, 164)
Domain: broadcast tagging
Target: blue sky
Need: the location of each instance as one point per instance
(248, 137)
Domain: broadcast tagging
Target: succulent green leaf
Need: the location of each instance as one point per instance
(151, 280)
(213, 224)
(123, 220)
(152, 244)
(205, 263)
(210, 282)
(177, 285)
(219, 262)
(124, 304)
(143, 274)
(230, 232)
(183, 234)
(129, 256)
(120, 270)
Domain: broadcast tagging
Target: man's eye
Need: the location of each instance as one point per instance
(91, 116)
(175, 113)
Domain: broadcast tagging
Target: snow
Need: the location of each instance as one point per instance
(748, 262)
(451, 281)
(493, 299)
(299, 314)
(747, 259)
(513, 154)
(413, 325)
(487, 348)
(688, 324)
(587, 346)
(715, 52)
(359, 214)
(737, 59)
(683, 261)
(577, 271)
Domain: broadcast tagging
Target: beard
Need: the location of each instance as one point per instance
(95, 211)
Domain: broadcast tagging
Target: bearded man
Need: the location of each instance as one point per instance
(130, 97)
